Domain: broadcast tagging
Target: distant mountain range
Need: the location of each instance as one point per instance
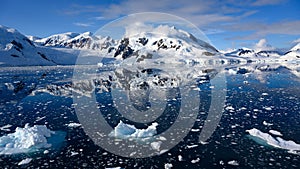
(172, 45)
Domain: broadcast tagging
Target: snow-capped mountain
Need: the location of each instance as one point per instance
(16, 49)
(165, 44)
(76, 41)
(250, 53)
(293, 53)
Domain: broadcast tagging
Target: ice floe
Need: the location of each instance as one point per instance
(233, 162)
(274, 132)
(123, 130)
(25, 161)
(278, 142)
(30, 139)
(73, 125)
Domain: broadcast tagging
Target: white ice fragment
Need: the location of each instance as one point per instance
(114, 168)
(73, 153)
(277, 142)
(180, 158)
(229, 108)
(25, 161)
(265, 94)
(267, 124)
(6, 127)
(168, 166)
(268, 108)
(191, 146)
(9, 86)
(156, 145)
(25, 140)
(277, 133)
(233, 162)
(73, 125)
(196, 160)
(123, 130)
(195, 130)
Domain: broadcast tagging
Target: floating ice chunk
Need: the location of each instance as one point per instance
(123, 130)
(73, 153)
(191, 146)
(73, 125)
(267, 124)
(196, 160)
(156, 145)
(229, 108)
(168, 166)
(277, 133)
(25, 161)
(268, 108)
(114, 168)
(277, 142)
(6, 127)
(29, 139)
(180, 158)
(9, 86)
(233, 162)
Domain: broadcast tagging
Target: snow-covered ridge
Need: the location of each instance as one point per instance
(163, 44)
(72, 40)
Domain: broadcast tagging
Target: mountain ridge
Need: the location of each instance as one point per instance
(60, 49)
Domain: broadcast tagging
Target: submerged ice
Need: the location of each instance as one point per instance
(30, 139)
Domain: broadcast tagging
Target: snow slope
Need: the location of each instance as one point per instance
(17, 49)
(293, 53)
(76, 41)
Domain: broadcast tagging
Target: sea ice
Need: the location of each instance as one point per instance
(277, 142)
(73, 125)
(277, 133)
(168, 166)
(25, 161)
(29, 139)
(123, 130)
(233, 162)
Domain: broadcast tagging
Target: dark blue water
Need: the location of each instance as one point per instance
(272, 96)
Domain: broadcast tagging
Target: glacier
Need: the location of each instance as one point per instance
(30, 139)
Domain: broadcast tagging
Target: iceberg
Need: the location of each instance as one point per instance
(25, 161)
(30, 139)
(278, 142)
(123, 131)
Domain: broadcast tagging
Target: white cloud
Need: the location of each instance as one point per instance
(98, 18)
(218, 15)
(267, 2)
(296, 41)
(262, 45)
(83, 24)
(260, 29)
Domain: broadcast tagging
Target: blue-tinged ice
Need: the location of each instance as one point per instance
(123, 130)
(278, 142)
(31, 139)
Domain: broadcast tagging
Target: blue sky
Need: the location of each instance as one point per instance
(228, 24)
